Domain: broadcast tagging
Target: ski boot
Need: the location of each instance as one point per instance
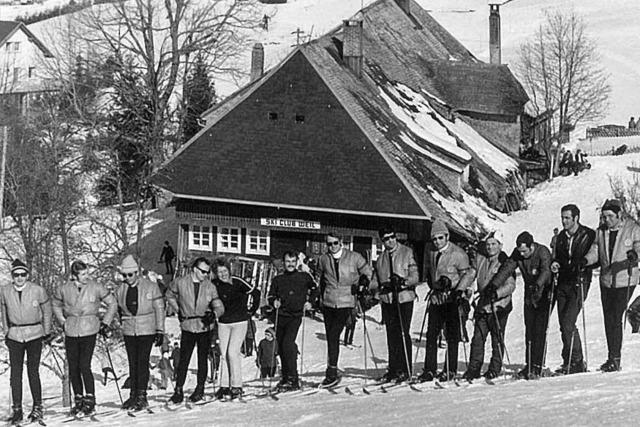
(523, 374)
(491, 374)
(36, 413)
(331, 378)
(130, 403)
(446, 376)
(78, 402)
(611, 365)
(578, 367)
(89, 405)
(141, 402)
(197, 395)
(401, 377)
(236, 393)
(178, 396)
(426, 376)
(283, 384)
(294, 383)
(16, 416)
(471, 374)
(386, 378)
(222, 392)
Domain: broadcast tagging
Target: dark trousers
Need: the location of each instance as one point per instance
(569, 301)
(138, 352)
(335, 320)
(614, 303)
(267, 372)
(536, 321)
(79, 354)
(287, 349)
(447, 316)
(397, 320)
(188, 341)
(169, 266)
(349, 330)
(17, 350)
(485, 324)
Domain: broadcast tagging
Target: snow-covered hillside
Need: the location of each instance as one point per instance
(584, 399)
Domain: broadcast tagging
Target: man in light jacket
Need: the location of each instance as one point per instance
(395, 281)
(142, 313)
(340, 270)
(196, 301)
(616, 248)
(26, 321)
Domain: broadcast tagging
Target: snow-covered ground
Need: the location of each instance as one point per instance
(585, 399)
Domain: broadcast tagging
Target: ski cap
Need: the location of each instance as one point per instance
(18, 265)
(438, 227)
(128, 265)
(613, 205)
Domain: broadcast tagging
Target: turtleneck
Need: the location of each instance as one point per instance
(338, 254)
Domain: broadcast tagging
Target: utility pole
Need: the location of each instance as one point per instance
(3, 164)
(298, 32)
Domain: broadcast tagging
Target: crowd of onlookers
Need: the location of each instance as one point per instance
(573, 162)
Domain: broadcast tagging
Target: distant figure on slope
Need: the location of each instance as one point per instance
(167, 256)
(616, 248)
(492, 309)
(632, 123)
(574, 281)
(534, 261)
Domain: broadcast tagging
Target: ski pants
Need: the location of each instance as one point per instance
(287, 349)
(569, 301)
(536, 321)
(79, 354)
(138, 352)
(397, 319)
(231, 337)
(350, 327)
(614, 303)
(447, 316)
(268, 371)
(335, 319)
(188, 341)
(17, 350)
(485, 324)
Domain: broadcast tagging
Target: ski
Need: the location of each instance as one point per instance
(134, 413)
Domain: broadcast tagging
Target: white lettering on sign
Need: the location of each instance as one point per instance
(290, 223)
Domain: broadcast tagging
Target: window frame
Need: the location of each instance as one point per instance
(192, 245)
(219, 240)
(258, 251)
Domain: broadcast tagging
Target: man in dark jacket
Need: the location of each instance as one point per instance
(572, 245)
(534, 261)
(290, 294)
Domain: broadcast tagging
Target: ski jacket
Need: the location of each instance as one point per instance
(181, 297)
(336, 290)
(25, 317)
(149, 318)
(486, 268)
(536, 272)
(613, 270)
(293, 290)
(267, 353)
(235, 298)
(404, 265)
(454, 264)
(569, 257)
(78, 309)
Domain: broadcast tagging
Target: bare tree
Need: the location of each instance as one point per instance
(561, 71)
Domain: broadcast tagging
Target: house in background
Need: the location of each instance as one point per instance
(387, 119)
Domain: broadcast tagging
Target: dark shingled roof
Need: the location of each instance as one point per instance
(8, 28)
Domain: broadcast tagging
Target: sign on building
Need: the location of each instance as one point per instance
(290, 223)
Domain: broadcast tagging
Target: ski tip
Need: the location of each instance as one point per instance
(365, 391)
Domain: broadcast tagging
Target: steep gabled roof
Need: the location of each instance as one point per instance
(9, 28)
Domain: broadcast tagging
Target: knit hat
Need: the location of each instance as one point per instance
(612, 205)
(128, 265)
(496, 235)
(438, 227)
(270, 331)
(17, 265)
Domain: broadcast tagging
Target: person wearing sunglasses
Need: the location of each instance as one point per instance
(395, 280)
(340, 271)
(26, 321)
(241, 301)
(142, 314)
(76, 305)
(449, 274)
(195, 299)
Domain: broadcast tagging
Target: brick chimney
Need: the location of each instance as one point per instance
(352, 53)
(405, 5)
(257, 62)
(494, 34)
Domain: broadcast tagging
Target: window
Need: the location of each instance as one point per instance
(376, 248)
(32, 72)
(257, 242)
(273, 116)
(16, 46)
(200, 238)
(229, 239)
(299, 118)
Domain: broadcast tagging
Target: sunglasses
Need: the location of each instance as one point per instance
(334, 243)
(128, 274)
(387, 238)
(438, 238)
(20, 274)
(203, 271)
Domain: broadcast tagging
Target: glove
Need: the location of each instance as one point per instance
(307, 306)
(396, 282)
(363, 285)
(443, 284)
(439, 297)
(158, 339)
(583, 263)
(208, 318)
(105, 330)
(276, 304)
(632, 256)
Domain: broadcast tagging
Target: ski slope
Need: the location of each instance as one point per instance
(585, 399)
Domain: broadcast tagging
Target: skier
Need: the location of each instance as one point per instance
(241, 301)
(616, 248)
(142, 313)
(534, 261)
(26, 321)
(492, 309)
(340, 269)
(196, 301)
(395, 281)
(76, 305)
(573, 284)
(290, 294)
(267, 352)
(449, 274)
(167, 256)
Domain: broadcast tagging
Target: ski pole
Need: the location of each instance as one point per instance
(364, 345)
(568, 367)
(584, 323)
(530, 361)
(106, 346)
(463, 336)
(304, 314)
(404, 338)
(424, 321)
(554, 285)
(629, 271)
(503, 346)
(273, 353)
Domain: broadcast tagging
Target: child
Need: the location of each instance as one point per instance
(267, 352)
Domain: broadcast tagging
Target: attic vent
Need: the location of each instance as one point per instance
(273, 116)
(299, 118)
